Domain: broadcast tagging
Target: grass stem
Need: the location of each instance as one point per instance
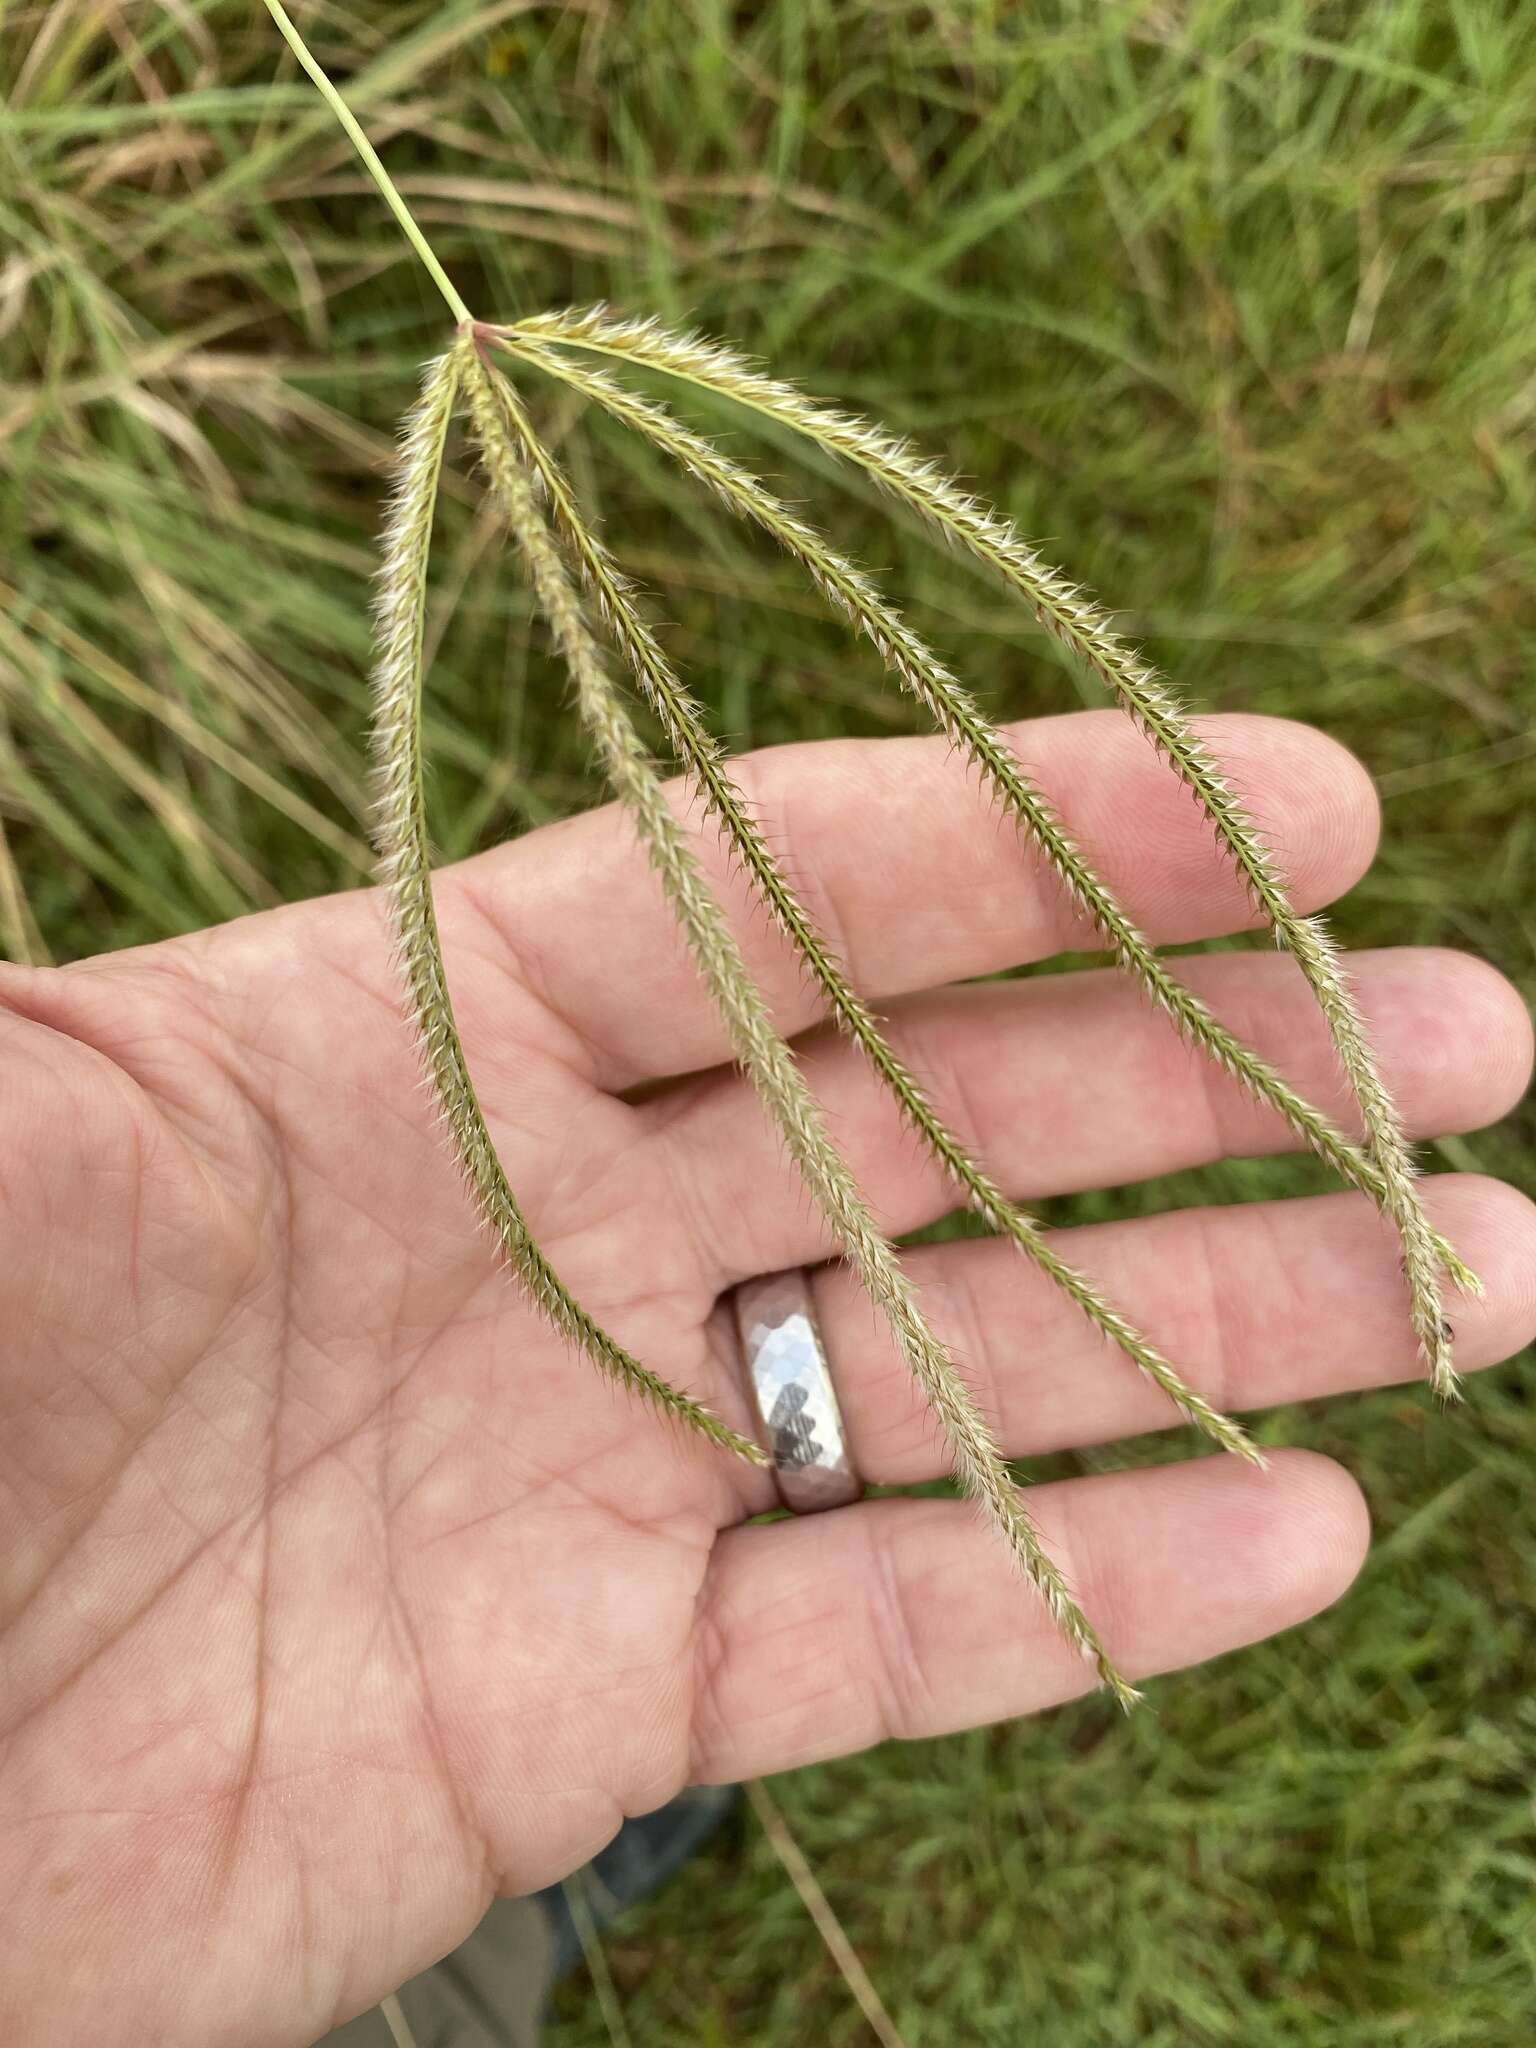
(372, 160)
(815, 1901)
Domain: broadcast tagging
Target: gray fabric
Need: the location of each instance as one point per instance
(489, 1993)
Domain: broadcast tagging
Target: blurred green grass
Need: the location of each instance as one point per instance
(1230, 304)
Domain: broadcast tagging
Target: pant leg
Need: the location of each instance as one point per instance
(489, 1993)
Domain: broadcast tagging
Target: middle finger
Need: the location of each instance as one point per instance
(1263, 1303)
(1074, 1082)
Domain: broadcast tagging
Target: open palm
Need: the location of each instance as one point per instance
(336, 1594)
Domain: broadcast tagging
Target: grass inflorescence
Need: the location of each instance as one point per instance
(563, 557)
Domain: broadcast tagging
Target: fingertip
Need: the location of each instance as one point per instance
(1291, 1539)
(1453, 1034)
(1509, 1035)
(1223, 1554)
(1350, 832)
(1479, 1027)
(1312, 799)
(1311, 802)
(1492, 1225)
(1318, 1537)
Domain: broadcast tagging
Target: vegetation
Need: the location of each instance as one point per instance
(1232, 303)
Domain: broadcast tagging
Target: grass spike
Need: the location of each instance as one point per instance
(700, 755)
(766, 1059)
(1084, 630)
(405, 865)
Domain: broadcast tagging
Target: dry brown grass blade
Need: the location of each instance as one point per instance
(819, 1906)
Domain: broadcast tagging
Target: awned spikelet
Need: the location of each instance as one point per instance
(572, 575)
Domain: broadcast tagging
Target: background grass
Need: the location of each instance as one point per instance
(1234, 303)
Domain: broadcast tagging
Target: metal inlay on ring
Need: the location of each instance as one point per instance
(792, 1389)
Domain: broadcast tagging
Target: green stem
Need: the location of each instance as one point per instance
(371, 158)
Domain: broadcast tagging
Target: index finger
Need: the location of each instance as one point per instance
(909, 872)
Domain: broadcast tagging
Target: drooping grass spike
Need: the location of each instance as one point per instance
(405, 868)
(850, 591)
(700, 755)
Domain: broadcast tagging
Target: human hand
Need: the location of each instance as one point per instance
(337, 1594)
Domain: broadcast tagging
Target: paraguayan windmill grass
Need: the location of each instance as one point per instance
(598, 627)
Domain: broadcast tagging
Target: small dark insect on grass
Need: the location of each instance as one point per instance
(599, 628)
